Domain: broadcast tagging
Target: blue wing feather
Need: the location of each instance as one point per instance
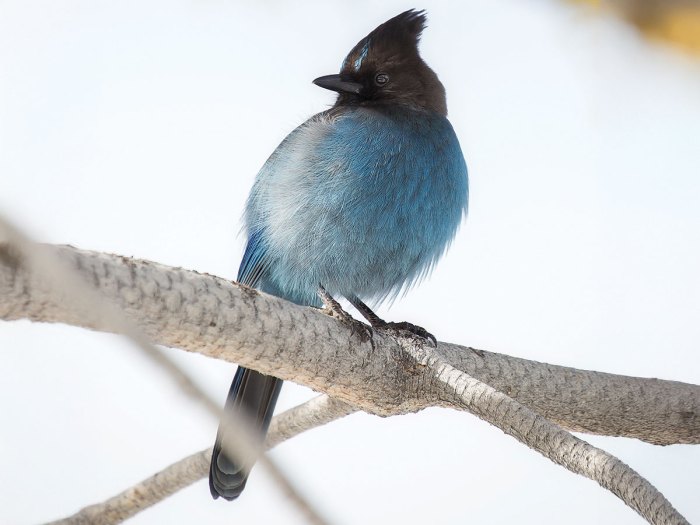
(253, 263)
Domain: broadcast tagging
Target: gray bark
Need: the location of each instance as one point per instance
(163, 484)
(412, 367)
(206, 314)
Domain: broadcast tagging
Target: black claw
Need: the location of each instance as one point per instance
(357, 327)
(379, 324)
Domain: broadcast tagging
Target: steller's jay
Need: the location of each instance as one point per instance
(359, 201)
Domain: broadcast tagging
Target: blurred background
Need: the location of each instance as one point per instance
(137, 128)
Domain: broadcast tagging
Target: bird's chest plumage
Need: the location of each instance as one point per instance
(363, 203)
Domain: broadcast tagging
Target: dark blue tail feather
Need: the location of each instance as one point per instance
(254, 395)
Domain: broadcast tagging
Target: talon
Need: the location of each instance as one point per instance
(379, 324)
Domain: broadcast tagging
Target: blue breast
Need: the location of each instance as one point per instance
(363, 201)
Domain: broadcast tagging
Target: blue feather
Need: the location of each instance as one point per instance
(362, 201)
(252, 265)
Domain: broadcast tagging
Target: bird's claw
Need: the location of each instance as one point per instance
(414, 330)
(332, 307)
(356, 327)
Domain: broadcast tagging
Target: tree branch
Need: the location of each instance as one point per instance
(206, 314)
(550, 440)
(66, 284)
(422, 373)
(315, 412)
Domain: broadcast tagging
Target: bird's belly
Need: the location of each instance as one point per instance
(369, 247)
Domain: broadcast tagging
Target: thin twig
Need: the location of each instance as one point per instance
(311, 414)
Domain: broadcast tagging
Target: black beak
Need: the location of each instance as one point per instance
(335, 83)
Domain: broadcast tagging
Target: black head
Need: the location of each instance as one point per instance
(385, 68)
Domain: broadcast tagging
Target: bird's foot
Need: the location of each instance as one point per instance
(395, 329)
(332, 307)
(400, 329)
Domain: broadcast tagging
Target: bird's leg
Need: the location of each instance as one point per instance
(367, 313)
(380, 324)
(333, 308)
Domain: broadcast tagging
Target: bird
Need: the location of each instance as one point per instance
(360, 201)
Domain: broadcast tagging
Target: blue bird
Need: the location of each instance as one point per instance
(359, 201)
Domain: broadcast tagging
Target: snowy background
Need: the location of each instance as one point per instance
(137, 128)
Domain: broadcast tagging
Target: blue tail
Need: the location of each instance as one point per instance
(255, 395)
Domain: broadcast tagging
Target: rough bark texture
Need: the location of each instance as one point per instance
(550, 440)
(209, 315)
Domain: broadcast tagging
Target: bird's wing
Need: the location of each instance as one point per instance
(254, 262)
(257, 257)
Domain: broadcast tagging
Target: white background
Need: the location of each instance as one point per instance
(137, 128)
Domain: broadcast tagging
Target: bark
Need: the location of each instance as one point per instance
(206, 314)
(163, 484)
(42, 286)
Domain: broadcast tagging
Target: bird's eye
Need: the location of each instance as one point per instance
(381, 79)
